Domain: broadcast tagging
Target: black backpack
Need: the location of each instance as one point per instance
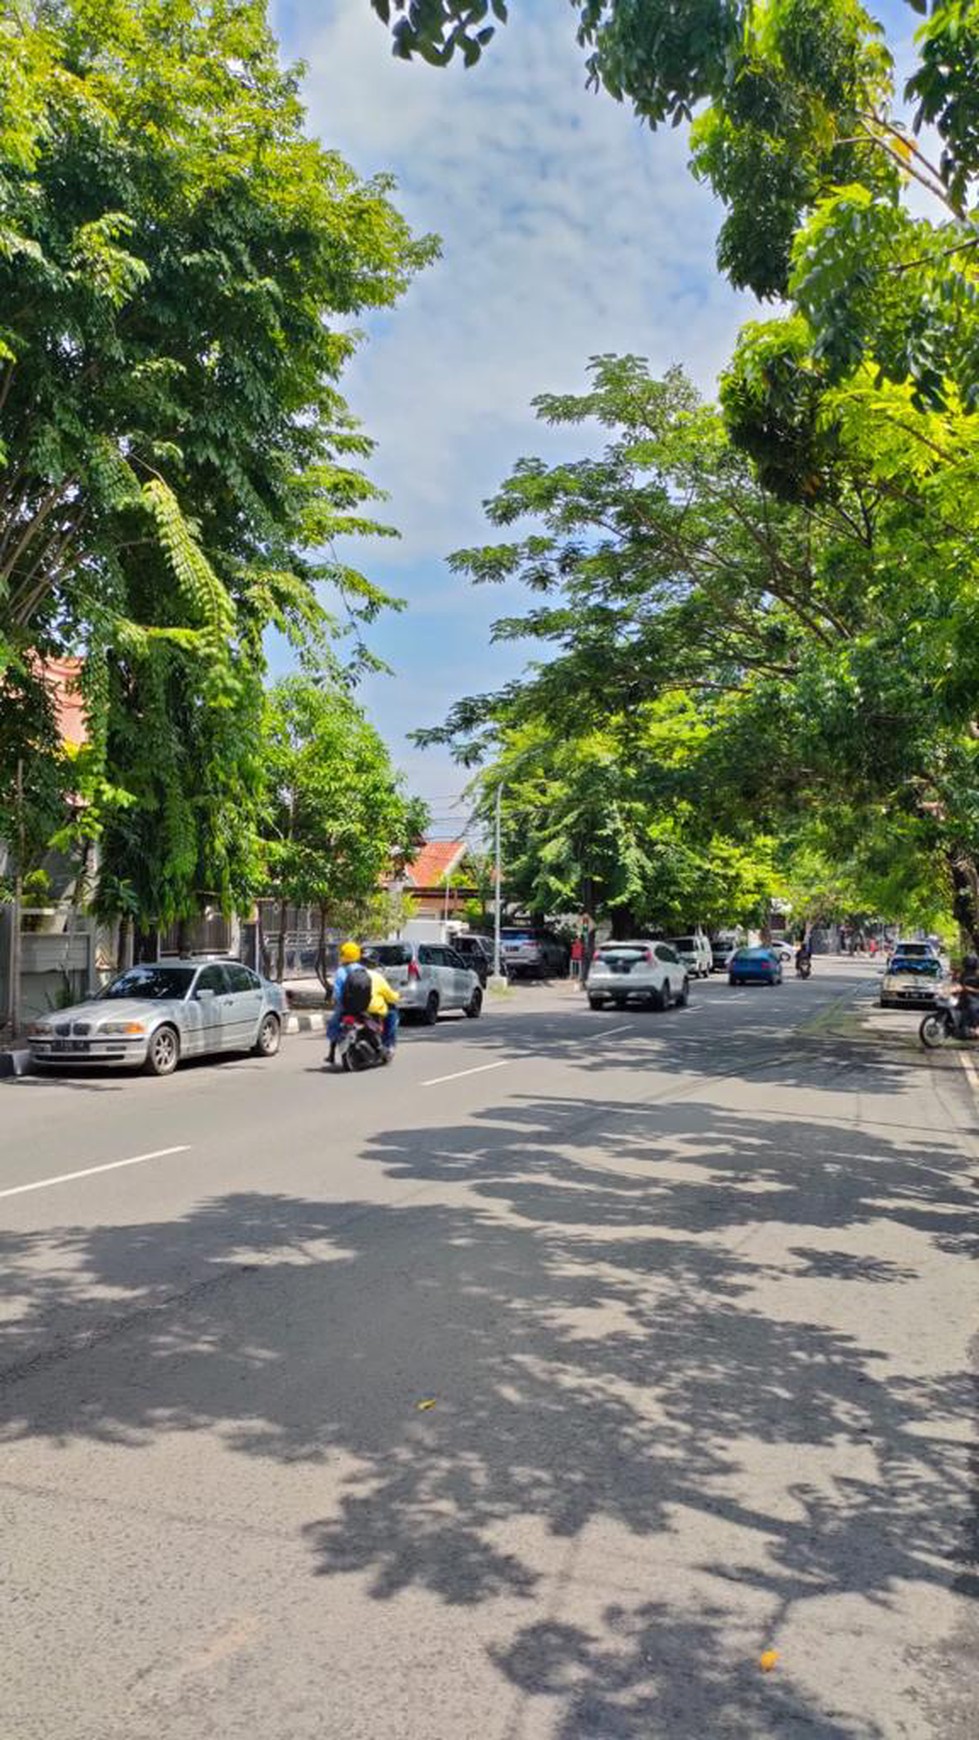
(357, 991)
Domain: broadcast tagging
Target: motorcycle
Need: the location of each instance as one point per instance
(945, 1024)
(360, 1045)
(803, 966)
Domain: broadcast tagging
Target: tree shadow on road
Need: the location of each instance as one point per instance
(612, 1345)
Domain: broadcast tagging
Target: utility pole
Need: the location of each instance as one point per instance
(497, 914)
(16, 909)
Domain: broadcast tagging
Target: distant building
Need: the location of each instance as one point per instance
(428, 879)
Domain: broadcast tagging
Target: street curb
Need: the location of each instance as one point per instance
(15, 1062)
(306, 1021)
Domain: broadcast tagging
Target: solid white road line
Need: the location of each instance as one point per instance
(459, 1073)
(970, 1070)
(90, 1171)
(626, 1027)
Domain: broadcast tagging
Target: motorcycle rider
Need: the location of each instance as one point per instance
(969, 993)
(349, 958)
(803, 956)
(383, 1005)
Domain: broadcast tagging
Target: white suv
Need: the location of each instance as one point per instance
(649, 972)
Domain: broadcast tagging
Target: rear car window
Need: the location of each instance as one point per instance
(391, 954)
(621, 952)
(689, 943)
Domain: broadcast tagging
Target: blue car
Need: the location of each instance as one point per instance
(754, 967)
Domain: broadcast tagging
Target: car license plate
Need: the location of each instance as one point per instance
(70, 1045)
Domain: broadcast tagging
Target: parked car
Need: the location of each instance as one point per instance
(914, 949)
(758, 966)
(478, 952)
(911, 980)
(154, 1015)
(784, 950)
(533, 952)
(429, 978)
(695, 952)
(647, 972)
(722, 948)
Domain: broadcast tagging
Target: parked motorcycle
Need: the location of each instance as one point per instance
(360, 1045)
(944, 1025)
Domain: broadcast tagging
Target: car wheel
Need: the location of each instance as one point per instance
(596, 1002)
(163, 1055)
(474, 1004)
(661, 999)
(683, 997)
(269, 1036)
(431, 1011)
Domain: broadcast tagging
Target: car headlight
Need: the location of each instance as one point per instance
(129, 1027)
(37, 1027)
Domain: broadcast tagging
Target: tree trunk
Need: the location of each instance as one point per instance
(321, 972)
(964, 876)
(124, 946)
(280, 958)
(624, 923)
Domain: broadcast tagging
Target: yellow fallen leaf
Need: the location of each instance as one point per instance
(767, 1660)
(429, 1402)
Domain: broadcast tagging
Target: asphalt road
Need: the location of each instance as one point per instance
(529, 1390)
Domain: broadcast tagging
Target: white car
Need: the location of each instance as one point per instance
(695, 952)
(647, 972)
(783, 949)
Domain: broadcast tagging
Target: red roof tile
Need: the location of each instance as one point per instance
(62, 677)
(435, 860)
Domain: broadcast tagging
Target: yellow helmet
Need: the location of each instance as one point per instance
(350, 951)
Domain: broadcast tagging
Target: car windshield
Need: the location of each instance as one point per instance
(391, 954)
(150, 984)
(916, 964)
(683, 942)
(906, 950)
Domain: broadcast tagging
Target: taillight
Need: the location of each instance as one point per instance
(647, 954)
(413, 972)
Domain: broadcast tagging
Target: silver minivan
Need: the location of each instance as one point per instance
(429, 978)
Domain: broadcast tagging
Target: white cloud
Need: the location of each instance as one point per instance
(567, 230)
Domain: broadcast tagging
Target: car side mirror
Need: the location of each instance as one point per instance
(203, 996)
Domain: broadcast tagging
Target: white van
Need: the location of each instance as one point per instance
(695, 952)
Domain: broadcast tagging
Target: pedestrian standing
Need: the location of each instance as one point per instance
(577, 958)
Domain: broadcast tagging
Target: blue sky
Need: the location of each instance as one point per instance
(567, 230)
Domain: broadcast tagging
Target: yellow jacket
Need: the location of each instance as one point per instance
(381, 994)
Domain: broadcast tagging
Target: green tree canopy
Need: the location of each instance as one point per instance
(764, 658)
(337, 816)
(180, 267)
